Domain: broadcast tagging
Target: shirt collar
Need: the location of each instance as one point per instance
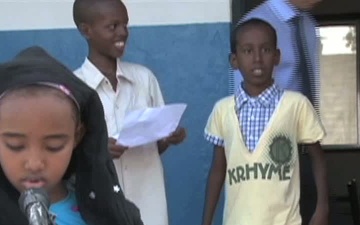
(94, 77)
(284, 9)
(266, 98)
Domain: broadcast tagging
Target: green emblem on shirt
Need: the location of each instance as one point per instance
(281, 150)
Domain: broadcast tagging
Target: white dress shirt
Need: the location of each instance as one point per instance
(139, 169)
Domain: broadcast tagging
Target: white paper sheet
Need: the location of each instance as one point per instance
(150, 124)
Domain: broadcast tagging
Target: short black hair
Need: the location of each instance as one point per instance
(247, 23)
(83, 9)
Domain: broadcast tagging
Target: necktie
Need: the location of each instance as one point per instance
(304, 68)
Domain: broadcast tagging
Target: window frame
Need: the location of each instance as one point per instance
(346, 20)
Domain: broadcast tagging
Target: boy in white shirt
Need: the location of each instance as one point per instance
(124, 87)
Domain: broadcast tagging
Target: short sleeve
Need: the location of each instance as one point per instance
(310, 128)
(213, 130)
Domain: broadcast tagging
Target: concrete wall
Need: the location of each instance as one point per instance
(339, 98)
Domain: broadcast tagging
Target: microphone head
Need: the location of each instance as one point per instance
(32, 196)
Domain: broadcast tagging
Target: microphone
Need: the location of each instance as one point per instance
(35, 203)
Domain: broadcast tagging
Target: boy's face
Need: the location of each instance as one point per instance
(37, 138)
(256, 55)
(107, 33)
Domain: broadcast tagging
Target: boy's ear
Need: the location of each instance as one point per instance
(84, 30)
(233, 61)
(80, 132)
(277, 57)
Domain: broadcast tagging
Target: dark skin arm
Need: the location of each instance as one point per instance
(215, 182)
(317, 156)
(115, 150)
(175, 138)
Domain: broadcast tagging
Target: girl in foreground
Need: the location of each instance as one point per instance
(51, 128)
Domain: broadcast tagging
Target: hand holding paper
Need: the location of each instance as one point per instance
(176, 137)
(150, 124)
(115, 150)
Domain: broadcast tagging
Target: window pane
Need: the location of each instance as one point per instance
(339, 84)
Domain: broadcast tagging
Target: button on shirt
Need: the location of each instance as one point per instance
(254, 113)
(139, 169)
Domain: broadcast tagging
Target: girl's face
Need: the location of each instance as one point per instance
(37, 137)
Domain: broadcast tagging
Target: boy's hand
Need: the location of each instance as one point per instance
(320, 217)
(177, 136)
(115, 150)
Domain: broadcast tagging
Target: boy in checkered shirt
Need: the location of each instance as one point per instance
(256, 133)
